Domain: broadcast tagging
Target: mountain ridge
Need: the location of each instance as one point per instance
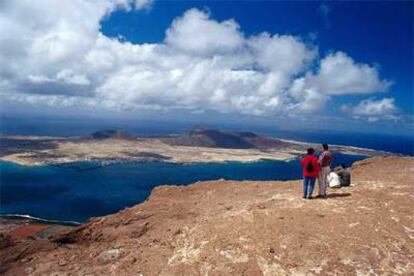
(202, 137)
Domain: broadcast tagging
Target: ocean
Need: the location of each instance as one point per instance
(78, 191)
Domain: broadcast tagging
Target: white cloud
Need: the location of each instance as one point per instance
(375, 107)
(375, 110)
(59, 57)
(338, 74)
(309, 100)
(143, 4)
(196, 33)
(285, 53)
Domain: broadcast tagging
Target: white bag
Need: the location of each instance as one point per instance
(333, 180)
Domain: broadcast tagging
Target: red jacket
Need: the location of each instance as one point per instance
(316, 167)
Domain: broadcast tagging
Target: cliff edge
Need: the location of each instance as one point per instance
(242, 228)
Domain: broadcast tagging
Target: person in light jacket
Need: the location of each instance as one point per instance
(325, 161)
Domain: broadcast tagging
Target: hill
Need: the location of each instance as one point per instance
(225, 139)
(242, 228)
(111, 134)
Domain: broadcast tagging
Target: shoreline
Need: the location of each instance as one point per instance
(36, 220)
(125, 161)
(106, 162)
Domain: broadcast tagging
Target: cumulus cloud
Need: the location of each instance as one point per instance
(62, 58)
(281, 53)
(375, 107)
(338, 74)
(196, 33)
(374, 110)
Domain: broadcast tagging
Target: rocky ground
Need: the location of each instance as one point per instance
(241, 228)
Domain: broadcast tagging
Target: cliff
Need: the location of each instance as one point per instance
(241, 228)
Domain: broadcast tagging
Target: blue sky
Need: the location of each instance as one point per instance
(335, 65)
(378, 32)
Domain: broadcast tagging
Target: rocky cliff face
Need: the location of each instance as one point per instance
(242, 228)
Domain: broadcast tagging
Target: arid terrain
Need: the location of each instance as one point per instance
(115, 146)
(238, 228)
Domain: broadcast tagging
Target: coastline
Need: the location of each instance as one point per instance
(36, 220)
(111, 161)
(236, 227)
(91, 185)
(220, 158)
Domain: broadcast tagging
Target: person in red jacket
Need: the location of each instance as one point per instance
(311, 170)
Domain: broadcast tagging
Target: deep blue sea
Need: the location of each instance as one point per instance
(78, 191)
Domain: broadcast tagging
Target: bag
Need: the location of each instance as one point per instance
(326, 160)
(309, 167)
(333, 180)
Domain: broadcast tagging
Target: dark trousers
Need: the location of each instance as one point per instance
(308, 186)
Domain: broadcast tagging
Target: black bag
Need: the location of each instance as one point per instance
(309, 167)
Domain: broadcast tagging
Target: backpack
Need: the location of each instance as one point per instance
(327, 159)
(309, 166)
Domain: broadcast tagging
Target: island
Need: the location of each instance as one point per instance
(200, 145)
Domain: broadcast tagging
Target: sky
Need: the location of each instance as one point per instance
(314, 64)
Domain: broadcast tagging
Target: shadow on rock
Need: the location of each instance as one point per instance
(333, 195)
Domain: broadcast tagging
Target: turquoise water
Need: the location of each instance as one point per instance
(78, 191)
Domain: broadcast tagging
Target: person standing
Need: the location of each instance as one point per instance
(311, 168)
(325, 161)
